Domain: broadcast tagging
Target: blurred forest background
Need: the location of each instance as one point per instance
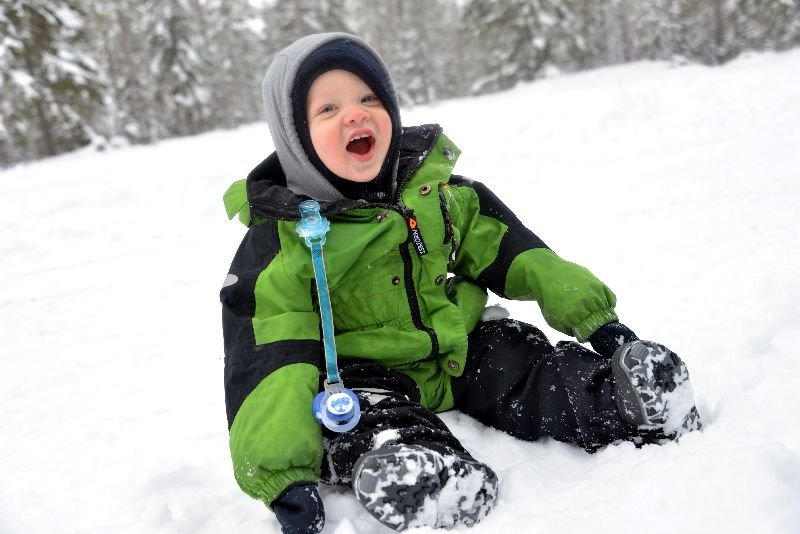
(80, 72)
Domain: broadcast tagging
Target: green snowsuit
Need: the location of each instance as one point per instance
(393, 300)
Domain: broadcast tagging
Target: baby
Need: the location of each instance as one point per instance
(410, 255)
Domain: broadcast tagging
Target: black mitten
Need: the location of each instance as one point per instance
(609, 337)
(299, 510)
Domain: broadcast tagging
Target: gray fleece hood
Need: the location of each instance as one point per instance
(302, 176)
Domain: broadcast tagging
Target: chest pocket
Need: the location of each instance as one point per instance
(371, 294)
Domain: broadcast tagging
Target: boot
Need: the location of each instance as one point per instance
(407, 486)
(652, 389)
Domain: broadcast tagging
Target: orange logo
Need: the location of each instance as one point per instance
(412, 223)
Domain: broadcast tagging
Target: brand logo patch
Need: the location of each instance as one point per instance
(416, 237)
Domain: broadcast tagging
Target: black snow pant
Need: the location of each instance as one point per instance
(514, 380)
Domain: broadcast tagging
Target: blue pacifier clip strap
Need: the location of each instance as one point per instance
(312, 228)
(325, 312)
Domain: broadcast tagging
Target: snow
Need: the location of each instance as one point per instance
(678, 186)
(494, 313)
(24, 82)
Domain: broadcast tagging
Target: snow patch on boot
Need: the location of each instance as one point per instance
(407, 486)
(385, 437)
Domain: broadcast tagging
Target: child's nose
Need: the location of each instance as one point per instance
(356, 115)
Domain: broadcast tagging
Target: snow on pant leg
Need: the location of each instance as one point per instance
(517, 382)
(390, 414)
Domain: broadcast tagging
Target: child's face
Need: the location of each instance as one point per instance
(350, 129)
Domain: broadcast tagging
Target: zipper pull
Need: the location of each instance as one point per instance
(416, 236)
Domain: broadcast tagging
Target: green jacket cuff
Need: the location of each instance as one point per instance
(590, 325)
(272, 486)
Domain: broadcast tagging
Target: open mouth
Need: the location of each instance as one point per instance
(360, 145)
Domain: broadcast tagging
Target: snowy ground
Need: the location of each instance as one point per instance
(680, 187)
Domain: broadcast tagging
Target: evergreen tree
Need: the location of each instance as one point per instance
(420, 41)
(119, 35)
(657, 29)
(50, 88)
(288, 20)
(237, 62)
(520, 38)
(709, 31)
(768, 24)
(179, 72)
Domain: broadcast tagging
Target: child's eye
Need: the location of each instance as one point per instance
(369, 99)
(327, 108)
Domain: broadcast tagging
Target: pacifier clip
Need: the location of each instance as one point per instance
(337, 408)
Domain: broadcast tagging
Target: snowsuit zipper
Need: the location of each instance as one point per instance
(408, 276)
